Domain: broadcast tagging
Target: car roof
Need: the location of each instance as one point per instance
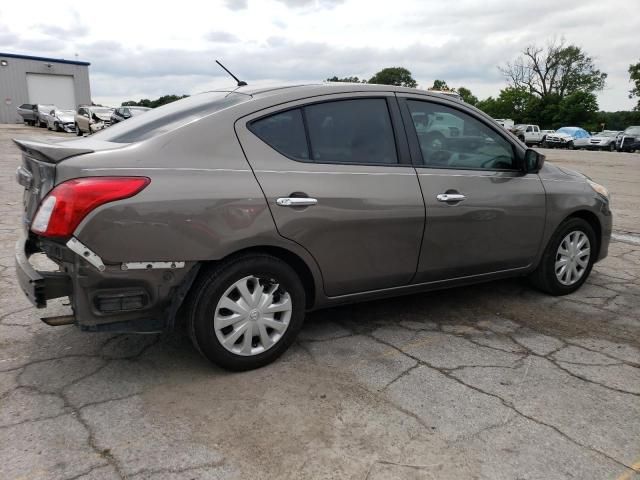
(310, 89)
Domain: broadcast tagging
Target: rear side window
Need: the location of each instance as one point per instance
(285, 132)
(351, 131)
(355, 131)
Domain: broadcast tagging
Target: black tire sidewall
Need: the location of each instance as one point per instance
(549, 259)
(209, 289)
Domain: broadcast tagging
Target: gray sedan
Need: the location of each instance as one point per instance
(235, 212)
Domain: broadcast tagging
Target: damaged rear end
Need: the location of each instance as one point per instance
(111, 296)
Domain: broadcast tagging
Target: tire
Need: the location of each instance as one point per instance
(218, 284)
(435, 141)
(612, 147)
(545, 278)
(543, 142)
(78, 131)
(571, 146)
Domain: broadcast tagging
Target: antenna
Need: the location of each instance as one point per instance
(240, 82)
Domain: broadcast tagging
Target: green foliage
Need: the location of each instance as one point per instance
(579, 108)
(145, 102)
(617, 120)
(634, 76)
(467, 96)
(346, 79)
(440, 85)
(398, 76)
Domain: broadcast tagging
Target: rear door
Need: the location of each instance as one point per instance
(484, 215)
(339, 182)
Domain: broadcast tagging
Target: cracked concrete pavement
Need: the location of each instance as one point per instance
(494, 381)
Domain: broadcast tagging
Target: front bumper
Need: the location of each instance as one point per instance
(38, 286)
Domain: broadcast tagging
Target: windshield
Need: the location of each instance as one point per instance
(567, 130)
(632, 131)
(607, 134)
(65, 112)
(46, 108)
(100, 110)
(169, 117)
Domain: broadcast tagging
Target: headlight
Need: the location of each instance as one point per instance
(599, 189)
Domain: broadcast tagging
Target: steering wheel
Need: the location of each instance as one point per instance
(439, 157)
(502, 161)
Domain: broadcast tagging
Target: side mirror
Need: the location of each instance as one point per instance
(533, 161)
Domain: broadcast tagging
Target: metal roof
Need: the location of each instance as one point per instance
(44, 59)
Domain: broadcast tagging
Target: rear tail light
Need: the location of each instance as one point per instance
(67, 204)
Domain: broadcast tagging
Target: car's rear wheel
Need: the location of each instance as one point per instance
(245, 313)
(568, 258)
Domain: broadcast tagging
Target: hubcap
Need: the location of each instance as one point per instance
(252, 316)
(572, 258)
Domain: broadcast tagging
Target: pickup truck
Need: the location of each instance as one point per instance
(529, 134)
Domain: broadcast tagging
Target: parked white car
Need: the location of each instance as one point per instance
(568, 137)
(61, 120)
(529, 134)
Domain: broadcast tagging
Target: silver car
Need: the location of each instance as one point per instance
(232, 213)
(41, 112)
(61, 121)
(605, 140)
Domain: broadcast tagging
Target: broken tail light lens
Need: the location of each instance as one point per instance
(69, 203)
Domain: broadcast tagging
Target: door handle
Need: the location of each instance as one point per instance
(450, 197)
(296, 201)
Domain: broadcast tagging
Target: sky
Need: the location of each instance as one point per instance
(148, 49)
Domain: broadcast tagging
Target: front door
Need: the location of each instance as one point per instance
(484, 214)
(339, 183)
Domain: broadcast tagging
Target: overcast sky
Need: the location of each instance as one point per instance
(144, 50)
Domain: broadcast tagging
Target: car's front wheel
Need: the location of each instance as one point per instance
(245, 313)
(567, 259)
(78, 131)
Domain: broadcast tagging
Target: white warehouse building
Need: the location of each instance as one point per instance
(28, 79)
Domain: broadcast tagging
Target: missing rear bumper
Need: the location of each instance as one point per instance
(37, 285)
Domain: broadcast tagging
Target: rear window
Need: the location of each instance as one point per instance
(169, 117)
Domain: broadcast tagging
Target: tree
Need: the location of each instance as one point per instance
(346, 79)
(145, 102)
(398, 76)
(634, 76)
(579, 108)
(467, 96)
(440, 85)
(558, 69)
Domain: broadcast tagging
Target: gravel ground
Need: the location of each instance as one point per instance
(494, 381)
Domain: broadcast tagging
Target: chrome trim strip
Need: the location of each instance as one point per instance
(85, 252)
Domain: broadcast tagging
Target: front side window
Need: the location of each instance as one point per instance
(355, 131)
(351, 131)
(449, 138)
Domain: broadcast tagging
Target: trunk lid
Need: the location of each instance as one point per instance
(37, 173)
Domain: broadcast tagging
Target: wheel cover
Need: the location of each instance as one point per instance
(252, 315)
(572, 258)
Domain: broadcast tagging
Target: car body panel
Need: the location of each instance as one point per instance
(365, 232)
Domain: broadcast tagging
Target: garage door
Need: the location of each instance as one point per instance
(52, 89)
